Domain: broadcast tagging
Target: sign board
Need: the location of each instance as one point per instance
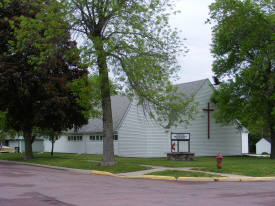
(180, 136)
(176, 138)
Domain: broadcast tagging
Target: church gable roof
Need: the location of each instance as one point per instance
(119, 107)
(191, 87)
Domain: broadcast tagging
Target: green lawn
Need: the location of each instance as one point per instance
(250, 166)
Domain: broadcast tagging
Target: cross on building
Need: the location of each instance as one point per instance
(208, 111)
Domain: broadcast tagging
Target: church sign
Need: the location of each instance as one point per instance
(178, 137)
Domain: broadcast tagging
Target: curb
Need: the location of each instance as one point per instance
(155, 177)
(134, 177)
(103, 173)
(196, 179)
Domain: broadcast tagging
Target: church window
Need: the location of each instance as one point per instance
(74, 138)
(115, 137)
(100, 138)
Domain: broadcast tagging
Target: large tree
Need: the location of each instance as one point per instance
(244, 50)
(36, 95)
(132, 40)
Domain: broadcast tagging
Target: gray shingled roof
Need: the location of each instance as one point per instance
(121, 103)
(119, 107)
(268, 139)
(191, 87)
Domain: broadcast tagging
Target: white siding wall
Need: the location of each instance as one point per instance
(37, 145)
(63, 145)
(96, 147)
(132, 135)
(141, 138)
(84, 146)
(13, 144)
(263, 146)
(22, 146)
(245, 147)
(138, 138)
(158, 141)
(224, 140)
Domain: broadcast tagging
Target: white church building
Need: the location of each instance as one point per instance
(136, 137)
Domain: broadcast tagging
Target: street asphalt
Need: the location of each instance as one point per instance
(26, 184)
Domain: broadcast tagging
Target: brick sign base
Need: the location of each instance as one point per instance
(180, 156)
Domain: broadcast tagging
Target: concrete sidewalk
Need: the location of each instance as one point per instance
(223, 176)
(159, 168)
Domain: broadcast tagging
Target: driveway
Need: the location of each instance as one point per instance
(26, 185)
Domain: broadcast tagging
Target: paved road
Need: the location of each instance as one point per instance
(26, 185)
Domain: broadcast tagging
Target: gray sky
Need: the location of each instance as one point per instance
(197, 63)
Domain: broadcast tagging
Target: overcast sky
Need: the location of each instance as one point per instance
(196, 65)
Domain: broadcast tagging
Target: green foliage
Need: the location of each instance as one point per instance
(34, 73)
(49, 134)
(244, 50)
(253, 139)
(44, 31)
(135, 42)
(87, 93)
(5, 131)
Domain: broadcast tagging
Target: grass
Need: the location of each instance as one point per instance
(179, 173)
(250, 166)
(86, 162)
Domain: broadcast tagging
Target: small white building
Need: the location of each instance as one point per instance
(264, 145)
(136, 137)
(19, 142)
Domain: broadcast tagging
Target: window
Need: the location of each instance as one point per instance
(74, 138)
(115, 137)
(95, 138)
(100, 138)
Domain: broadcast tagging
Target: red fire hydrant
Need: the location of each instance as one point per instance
(219, 161)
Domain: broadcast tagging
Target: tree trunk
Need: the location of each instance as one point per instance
(52, 147)
(52, 140)
(108, 146)
(27, 133)
(272, 134)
